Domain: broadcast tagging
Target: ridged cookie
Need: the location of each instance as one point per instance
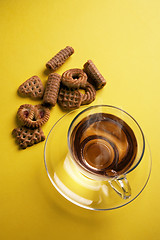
(52, 89)
(95, 76)
(58, 60)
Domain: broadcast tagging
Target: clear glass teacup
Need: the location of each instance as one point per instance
(98, 157)
(106, 144)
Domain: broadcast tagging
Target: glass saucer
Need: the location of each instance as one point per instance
(77, 188)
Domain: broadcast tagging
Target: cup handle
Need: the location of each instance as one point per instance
(121, 186)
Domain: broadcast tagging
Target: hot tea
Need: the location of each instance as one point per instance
(103, 144)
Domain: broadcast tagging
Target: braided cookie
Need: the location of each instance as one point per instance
(74, 78)
(32, 87)
(59, 58)
(37, 116)
(52, 89)
(69, 99)
(26, 137)
(90, 94)
(93, 73)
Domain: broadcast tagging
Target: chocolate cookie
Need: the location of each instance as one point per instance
(57, 61)
(32, 87)
(69, 99)
(74, 78)
(52, 89)
(26, 137)
(25, 111)
(90, 94)
(94, 75)
(33, 116)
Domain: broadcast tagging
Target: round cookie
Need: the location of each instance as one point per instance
(74, 78)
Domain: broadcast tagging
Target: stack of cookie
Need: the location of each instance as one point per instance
(63, 89)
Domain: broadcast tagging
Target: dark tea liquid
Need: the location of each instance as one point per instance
(103, 144)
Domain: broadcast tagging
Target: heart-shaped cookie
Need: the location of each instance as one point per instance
(26, 137)
(32, 87)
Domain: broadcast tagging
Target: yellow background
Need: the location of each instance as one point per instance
(123, 39)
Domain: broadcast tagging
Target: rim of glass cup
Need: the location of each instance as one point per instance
(109, 106)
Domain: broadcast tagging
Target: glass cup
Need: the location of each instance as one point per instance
(97, 157)
(106, 144)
